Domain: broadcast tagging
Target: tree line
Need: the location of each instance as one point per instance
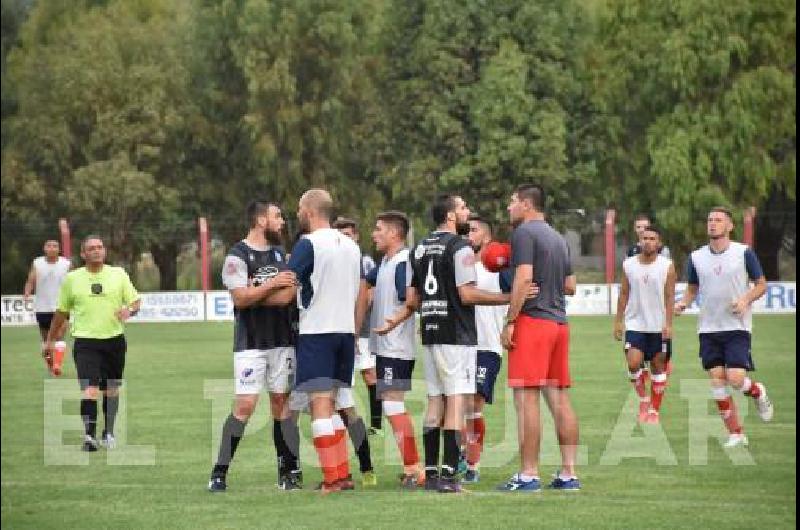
(137, 116)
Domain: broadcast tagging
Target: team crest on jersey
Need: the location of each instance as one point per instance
(419, 252)
(468, 260)
(646, 278)
(264, 273)
(718, 270)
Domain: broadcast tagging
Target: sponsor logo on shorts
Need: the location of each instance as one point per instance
(388, 375)
(481, 377)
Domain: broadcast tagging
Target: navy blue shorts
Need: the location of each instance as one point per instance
(393, 374)
(486, 374)
(730, 349)
(650, 344)
(44, 320)
(324, 361)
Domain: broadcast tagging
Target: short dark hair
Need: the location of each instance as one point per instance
(256, 209)
(398, 220)
(533, 193)
(653, 228)
(641, 217)
(345, 222)
(480, 219)
(723, 209)
(443, 204)
(90, 236)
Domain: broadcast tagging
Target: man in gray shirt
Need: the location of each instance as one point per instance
(537, 337)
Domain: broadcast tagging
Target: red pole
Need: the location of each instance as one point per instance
(66, 241)
(749, 226)
(611, 258)
(203, 226)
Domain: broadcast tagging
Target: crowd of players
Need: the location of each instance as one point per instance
(305, 323)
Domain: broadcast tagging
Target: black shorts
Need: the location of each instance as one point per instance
(730, 349)
(393, 374)
(486, 374)
(100, 362)
(44, 320)
(650, 344)
(324, 361)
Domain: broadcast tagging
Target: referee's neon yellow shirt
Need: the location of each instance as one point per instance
(92, 299)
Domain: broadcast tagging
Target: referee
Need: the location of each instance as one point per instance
(100, 298)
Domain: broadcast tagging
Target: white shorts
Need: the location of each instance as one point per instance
(364, 358)
(450, 369)
(298, 401)
(256, 370)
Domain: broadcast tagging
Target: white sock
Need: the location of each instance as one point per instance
(527, 478)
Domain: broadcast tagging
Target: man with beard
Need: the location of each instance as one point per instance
(536, 335)
(442, 284)
(489, 324)
(262, 289)
(721, 273)
(327, 264)
(646, 301)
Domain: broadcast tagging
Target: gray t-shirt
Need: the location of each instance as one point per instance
(537, 243)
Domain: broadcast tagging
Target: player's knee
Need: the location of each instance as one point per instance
(736, 380)
(91, 392)
(244, 408)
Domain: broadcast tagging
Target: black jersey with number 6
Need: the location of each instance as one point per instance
(444, 319)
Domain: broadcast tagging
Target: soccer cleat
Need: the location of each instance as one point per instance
(644, 408)
(736, 439)
(462, 463)
(411, 482)
(346, 484)
(298, 476)
(652, 417)
(368, 479)
(763, 404)
(449, 485)
(515, 483)
(570, 484)
(432, 482)
(472, 476)
(289, 482)
(108, 441)
(325, 489)
(217, 484)
(372, 431)
(90, 444)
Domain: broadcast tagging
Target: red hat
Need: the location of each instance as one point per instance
(496, 256)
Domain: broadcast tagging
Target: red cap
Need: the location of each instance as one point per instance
(496, 256)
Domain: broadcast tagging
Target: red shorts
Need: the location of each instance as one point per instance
(540, 356)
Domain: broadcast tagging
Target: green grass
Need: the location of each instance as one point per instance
(168, 364)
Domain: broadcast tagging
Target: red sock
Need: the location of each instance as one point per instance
(657, 390)
(326, 450)
(754, 391)
(477, 429)
(342, 464)
(727, 409)
(404, 436)
(639, 385)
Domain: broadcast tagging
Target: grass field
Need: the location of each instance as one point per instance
(173, 368)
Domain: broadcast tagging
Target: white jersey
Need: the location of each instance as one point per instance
(489, 319)
(389, 296)
(722, 279)
(48, 280)
(645, 311)
(328, 267)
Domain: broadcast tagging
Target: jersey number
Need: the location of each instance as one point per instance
(431, 284)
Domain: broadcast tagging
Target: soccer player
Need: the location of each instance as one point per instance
(646, 302)
(100, 299)
(721, 273)
(489, 324)
(328, 267)
(395, 350)
(262, 290)
(45, 277)
(641, 222)
(442, 285)
(537, 336)
(365, 352)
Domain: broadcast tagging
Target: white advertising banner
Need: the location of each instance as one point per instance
(173, 306)
(16, 311)
(219, 305)
(589, 299)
